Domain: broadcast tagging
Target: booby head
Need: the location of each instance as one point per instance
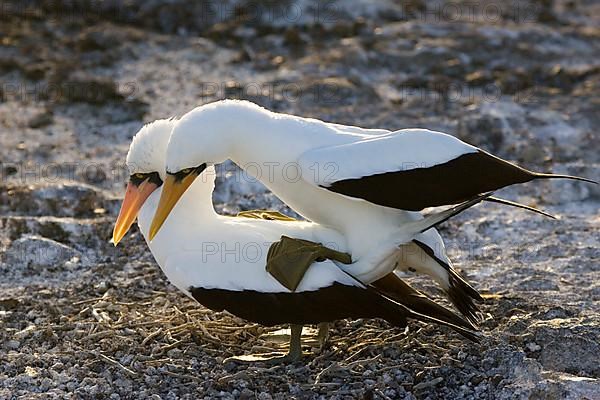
(146, 164)
(186, 160)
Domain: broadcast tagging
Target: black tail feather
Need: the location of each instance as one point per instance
(461, 293)
(463, 297)
(518, 205)
(445, 215)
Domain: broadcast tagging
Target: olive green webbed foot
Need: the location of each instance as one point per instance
(294, 354)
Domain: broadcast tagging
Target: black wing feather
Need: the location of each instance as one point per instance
(452, 182)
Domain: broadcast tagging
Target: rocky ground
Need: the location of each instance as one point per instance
(82, 319)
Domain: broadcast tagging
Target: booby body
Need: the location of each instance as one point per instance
(195, 227)
(220, 261)
(365, 183)
(244, 133)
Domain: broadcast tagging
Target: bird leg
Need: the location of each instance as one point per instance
(295, 350)
(294, 353)
(323, 335)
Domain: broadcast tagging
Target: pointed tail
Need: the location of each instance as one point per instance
(460, 292)
(518, 205)
(463, 296)
(433, 220)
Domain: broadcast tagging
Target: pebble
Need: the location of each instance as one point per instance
(426, 384)
(13, 344)
(41, 120)
(533, 346)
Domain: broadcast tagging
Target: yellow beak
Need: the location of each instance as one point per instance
(135, 196)
(172, 191)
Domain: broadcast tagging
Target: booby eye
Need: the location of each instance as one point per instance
(152, 177)
(138, 178)
(183, 173)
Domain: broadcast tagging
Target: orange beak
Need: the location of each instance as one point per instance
(135, 196)
(172, 191)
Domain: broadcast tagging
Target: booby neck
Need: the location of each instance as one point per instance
(248, 135)
(268, 146)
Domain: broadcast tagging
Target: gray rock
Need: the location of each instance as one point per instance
(37, 253)
(569, 345)
(54, 196)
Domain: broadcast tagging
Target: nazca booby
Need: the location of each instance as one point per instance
(220, 261)
(365, 183)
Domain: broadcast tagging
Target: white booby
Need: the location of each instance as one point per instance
(220, 261)
(365, 183)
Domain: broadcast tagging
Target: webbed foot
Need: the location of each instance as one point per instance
(294, 354)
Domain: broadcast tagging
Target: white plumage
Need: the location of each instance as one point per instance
(292, 156)
(220, 261)
(367, 155)
(196, 247)
(362, 187)
(367, 184)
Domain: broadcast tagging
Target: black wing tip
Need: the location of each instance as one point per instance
(464, 327)
(559, 176)
(472, 335)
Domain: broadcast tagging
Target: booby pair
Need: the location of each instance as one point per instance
(364, 183)
(220, 261)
